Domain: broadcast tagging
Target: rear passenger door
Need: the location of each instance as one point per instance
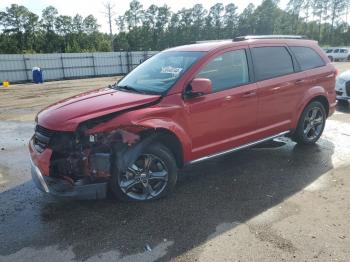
(278, 87)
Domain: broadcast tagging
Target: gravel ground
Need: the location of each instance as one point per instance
(278, 202)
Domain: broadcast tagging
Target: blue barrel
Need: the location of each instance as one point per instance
(37, 75)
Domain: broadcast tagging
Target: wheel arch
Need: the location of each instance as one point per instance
(172, 142)
(323, 100)
(172, 136)
(314, 93)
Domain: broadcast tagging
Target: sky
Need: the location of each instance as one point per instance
(95, 7)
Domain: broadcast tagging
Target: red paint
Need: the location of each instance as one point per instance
(201, 86)
(41, 160)
(67, 114)
(210, 123)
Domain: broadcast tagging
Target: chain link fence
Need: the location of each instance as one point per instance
(18, 68)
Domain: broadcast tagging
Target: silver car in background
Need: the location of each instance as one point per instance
(342, 87)
(338, 53)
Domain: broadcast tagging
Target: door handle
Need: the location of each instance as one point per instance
(276, 88)
(249, 94)
(300, 82)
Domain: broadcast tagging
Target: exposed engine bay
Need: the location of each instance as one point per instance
(79, 158)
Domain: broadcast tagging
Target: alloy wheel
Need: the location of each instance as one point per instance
(313, 123)
(145, 179)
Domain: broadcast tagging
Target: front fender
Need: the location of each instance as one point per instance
(128, 121)
(173, 127)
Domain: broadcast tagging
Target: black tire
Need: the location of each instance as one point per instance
(331, 58)
(164, 157)
(348, 58)
(304, 132)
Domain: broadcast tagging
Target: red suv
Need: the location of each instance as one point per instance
(184, 105)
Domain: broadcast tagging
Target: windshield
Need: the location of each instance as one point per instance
(159, 73)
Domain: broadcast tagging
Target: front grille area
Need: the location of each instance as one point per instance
(339, 93)
(42, 137)
(347, 88)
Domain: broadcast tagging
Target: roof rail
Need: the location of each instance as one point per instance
(248, 37)
(211, 41)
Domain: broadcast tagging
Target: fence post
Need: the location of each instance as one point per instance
(93, 63)
(127, 62)
(145, 55)
(121, 62)
(62, 64)
(25, 67)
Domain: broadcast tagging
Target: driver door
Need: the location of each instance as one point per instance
(227, 117)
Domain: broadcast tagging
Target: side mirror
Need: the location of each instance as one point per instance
(199, 87)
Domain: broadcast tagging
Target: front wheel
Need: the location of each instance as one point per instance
(311, 124)
(152, 176)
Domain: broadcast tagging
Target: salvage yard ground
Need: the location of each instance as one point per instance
(278, 202)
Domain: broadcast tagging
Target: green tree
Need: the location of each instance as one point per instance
(134, 15)
(90, 25)
(230, 20)
(247, 21)
(215, 20)
(337, 9)
(266, 15)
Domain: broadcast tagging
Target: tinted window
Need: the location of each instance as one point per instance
(343, 51)
(227, 70)
(307, 57)
(271, 62)
(336, 51)
(329, 51)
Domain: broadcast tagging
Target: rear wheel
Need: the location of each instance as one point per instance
(311, 124)
(152, 176)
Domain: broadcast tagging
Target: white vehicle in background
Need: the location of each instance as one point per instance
(338, 53)
(342, 87)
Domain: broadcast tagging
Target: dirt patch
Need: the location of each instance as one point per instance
(21, 102)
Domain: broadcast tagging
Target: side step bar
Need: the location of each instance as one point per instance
(238, 148)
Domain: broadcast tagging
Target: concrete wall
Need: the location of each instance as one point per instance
(18, 68)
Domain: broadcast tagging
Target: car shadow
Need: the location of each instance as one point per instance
(231, 189)
(343, 107)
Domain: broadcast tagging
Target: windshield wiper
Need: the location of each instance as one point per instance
(129, 88)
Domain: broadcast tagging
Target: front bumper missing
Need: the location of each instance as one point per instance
(63, 189)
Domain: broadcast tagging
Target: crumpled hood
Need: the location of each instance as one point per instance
(66, 115)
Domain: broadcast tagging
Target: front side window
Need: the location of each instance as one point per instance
(157, 74)
(307, 57)
(227, 70)
(271, 61)
(336, 51)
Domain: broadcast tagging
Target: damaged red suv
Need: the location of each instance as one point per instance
(184, 105)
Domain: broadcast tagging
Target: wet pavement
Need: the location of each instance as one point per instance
(280, 201)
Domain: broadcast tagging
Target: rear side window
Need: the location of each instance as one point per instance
(271, 61)
(307, 57)
(343, 51)
(227, 70)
